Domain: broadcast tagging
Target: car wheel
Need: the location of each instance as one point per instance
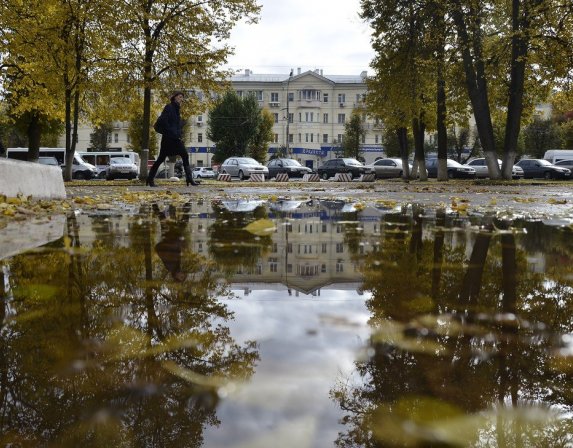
(325, 176)
(548, 175)
(108, 178)
(450, 174)
(80, 176)
(241, 175)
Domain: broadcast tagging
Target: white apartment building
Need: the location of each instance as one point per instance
(316, 105)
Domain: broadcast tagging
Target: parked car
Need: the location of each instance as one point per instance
(52, 161)
(455, 170)
(386, 168)
(482, 170)
(243, 167)
(289, 166)
(203, 172)
(565, 164)
(343, 165)
(120, 168)
(542, 169)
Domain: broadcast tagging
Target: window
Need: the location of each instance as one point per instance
(325, 98)
(324, 138)
(240, 93)
(291, 138)
(339, 266)
(200, 137)
(115, 138)
(342, 98)
(376, 137)
(276, 138)
(290, 97)
(324, 248)
(363, 138)
(341, 118)
(300, 117)
(258, 94)
(276, 117)
(289, 268)
(273, 265)
(274, 97)
(325, 118)
(199, 118)
(300, 138)
(290, 118)
(323, 268)
(339, 138)
(339, 248)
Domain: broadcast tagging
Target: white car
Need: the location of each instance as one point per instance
(481, 168)
(243, 167)
(203, 172)
(120, 168)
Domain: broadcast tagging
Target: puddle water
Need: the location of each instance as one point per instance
(286, 323)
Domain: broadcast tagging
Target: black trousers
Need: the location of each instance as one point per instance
(170, 147)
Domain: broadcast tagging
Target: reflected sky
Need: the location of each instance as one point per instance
(307, 321)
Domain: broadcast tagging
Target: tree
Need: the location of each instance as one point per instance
(176, 44)
(233, 124)
(100, 137)
(534, 32)
(541, 135)
(354, 133)
(260, 144)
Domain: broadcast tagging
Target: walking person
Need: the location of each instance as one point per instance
(171, 139)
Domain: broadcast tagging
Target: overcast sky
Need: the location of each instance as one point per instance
(310, 34)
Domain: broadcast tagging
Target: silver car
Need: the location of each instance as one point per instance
(386, 168)
(482, 170)
(121, 168)
(243, 167)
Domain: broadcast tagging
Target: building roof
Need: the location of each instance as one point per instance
(249, 76)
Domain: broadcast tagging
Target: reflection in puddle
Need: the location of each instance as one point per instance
(233, 323)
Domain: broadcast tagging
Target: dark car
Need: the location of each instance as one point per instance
(565, 164)
(344, 165)
(542, 169)
(289, 166)
(455, 170)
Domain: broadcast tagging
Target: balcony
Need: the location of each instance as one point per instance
(274, 104)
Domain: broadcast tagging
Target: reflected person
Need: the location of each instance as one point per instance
(173, 240)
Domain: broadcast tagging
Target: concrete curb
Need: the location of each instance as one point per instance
(31, 179)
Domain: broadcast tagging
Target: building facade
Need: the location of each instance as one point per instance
(309, 108)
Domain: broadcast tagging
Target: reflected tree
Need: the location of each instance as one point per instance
(101, 351)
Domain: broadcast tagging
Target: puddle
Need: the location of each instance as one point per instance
(244, 323)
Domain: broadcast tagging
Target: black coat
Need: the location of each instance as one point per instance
(171, 119)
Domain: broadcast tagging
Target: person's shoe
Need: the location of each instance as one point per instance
(149, 182)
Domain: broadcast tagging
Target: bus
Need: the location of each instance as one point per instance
(100, 159)
(80, 168)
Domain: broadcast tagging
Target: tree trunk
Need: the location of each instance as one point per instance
(474, 69)
(69, 156)
(517, 80)
(419, 129)
(402, 134)
(441, 119)
(34, 133)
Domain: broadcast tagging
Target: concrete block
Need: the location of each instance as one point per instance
(281, 177)
(342, 177)
(314, 177)
(257, 177)
(224, 177)
(31, 179)
(368, 177)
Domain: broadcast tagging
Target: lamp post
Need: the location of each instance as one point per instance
(288, 116)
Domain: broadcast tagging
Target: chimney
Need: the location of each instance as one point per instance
(298, 71)
(317, 71)
(321, 72)
(247, 72)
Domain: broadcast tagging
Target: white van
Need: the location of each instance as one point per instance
(100, 159)
(80, 168)
(555, 155)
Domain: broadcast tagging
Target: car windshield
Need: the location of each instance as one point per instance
(247, 161)
(290, 162)
(353, 162)
(207, 169)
